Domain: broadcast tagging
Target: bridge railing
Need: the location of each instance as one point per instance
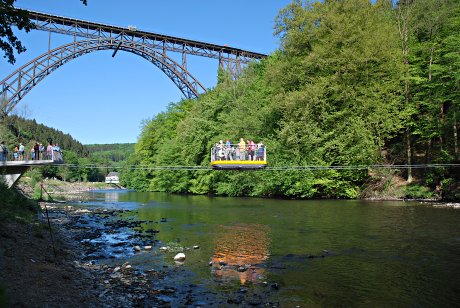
(257, 152)
(55, 156)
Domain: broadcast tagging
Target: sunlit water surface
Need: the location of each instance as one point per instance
(328, 252)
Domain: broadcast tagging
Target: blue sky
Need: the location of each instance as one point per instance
(100, 99)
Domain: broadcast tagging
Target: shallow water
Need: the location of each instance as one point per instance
(328, 252)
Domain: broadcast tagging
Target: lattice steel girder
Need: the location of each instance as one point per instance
(14, 87)
(161, 42)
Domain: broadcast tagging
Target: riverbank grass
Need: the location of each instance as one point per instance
(15, 206)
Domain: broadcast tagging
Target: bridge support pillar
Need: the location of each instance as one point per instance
(11, 175)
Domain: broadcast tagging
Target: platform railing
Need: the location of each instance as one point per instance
(28, 156)
(234, 153)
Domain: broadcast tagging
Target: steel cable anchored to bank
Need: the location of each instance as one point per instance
(272, 168)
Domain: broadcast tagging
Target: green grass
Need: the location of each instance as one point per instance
(416, 191)
(14, 206)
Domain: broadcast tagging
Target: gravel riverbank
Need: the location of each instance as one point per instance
(82, 262)
(52, 269)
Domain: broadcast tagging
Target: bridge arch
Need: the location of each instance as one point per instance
(14, 87)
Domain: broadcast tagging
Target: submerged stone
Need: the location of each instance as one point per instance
(179, 257)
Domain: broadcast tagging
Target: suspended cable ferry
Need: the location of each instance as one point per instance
(227, 156)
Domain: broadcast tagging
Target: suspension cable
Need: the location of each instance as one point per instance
(273, 168)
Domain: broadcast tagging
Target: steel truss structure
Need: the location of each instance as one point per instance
(151, 46)
(18, 84)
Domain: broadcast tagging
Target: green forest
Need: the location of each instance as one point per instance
(118, 152)
(82, 162)
(353, 82)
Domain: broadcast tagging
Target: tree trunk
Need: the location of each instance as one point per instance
(431, 63)
(455, 136)
(428, 152)
(409, 157)
(404, 11)
(441, 116)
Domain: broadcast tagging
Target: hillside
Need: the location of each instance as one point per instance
(15, 130)
(117, 152)
(83, 162)
(345, 88)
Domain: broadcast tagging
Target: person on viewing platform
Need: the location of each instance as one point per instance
(21, 151)
(242, 149)
(36, 151)
(32, 153)
(57, 154)
(49, 151)
(16, 153)
(3, 151)
(41, 150)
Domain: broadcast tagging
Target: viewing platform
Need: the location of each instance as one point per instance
(12, 170)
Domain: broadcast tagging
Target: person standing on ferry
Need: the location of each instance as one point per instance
(242, 148)
(228, 150)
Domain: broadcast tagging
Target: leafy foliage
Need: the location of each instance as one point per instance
(84, 159)
(11, 16)
(113, 152)
(333, 94)
(17, 130)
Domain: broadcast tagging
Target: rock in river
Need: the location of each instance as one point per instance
(179, 257)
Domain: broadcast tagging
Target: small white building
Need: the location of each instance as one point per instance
(112, 177)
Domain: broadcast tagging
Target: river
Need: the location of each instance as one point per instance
(307, 253)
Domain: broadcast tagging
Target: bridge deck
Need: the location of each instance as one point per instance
(83, 28)
(12, 170)
(26, 163)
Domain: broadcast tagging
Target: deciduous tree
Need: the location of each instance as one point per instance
(13, 17)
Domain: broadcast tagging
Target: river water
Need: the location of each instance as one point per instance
(307, 253)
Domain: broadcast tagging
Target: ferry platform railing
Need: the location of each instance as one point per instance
(222, 152)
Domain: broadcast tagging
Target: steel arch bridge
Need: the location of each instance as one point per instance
(153, 47)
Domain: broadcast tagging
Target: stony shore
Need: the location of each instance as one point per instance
(62, 269)
(52, 269)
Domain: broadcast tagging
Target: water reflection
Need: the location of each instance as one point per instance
(111, 196)
(382, 253)
(239, 252)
